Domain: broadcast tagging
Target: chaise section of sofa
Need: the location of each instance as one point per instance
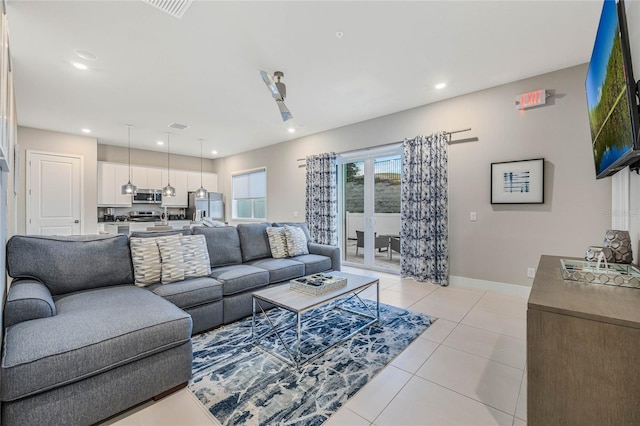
(82, 343)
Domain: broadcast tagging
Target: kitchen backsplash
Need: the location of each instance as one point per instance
(124, 211)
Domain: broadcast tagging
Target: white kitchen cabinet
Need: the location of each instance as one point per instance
(154, 178)
(193, 181)
(178, 179)
(209, 181)
(111, 177)
(139, 177)
(146, 177)
(139, 226)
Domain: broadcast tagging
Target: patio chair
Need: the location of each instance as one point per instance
(381, 242)
(394, 245)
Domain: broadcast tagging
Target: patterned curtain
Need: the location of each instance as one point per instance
(322, 198)
(424, 210)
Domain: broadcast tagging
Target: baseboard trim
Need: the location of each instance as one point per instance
(504, 288)
(170, 391)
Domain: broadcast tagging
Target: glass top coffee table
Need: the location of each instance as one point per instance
(299, 303)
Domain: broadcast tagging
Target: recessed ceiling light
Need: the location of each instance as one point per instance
(86, 130)
(214, 152)
(79, 66)
(84, 54)
(160, 142)
(291, 129)
(441, 85)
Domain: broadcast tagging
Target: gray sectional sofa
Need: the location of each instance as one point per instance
(83, 343)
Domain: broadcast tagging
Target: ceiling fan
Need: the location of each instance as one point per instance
(278, 91)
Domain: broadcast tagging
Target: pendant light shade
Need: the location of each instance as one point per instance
(201, 192)
(168, 191)
(129, 188)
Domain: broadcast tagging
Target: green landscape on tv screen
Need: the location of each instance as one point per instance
(607, 99)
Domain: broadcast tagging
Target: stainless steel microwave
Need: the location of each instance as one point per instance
(148, 196)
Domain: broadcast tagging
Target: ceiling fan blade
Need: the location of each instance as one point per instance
(271, 85)
(284, 111)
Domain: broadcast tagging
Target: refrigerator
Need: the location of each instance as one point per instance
(211, 207)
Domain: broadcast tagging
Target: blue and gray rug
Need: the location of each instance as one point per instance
(241, 384)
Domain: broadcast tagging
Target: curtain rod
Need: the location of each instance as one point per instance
(391, 143)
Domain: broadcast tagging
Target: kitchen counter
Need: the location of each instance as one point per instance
(128, 227)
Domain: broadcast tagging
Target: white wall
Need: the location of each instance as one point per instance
(63, 143)
(506, 239)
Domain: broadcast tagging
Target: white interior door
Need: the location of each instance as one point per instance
(54, 194)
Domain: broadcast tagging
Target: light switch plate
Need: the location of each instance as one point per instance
(473, 217)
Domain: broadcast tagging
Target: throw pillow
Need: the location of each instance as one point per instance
(296, 241)
(147, 266)
(183, 257)
(277, 242)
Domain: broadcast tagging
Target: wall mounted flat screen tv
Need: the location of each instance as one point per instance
(611, 94)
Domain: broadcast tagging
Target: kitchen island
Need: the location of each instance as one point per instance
(128, 227)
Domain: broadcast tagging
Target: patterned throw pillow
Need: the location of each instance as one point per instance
(147, 266)
(183, 257)
(296, 241)
(277, 242)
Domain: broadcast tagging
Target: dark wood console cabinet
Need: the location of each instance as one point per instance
(583, 351)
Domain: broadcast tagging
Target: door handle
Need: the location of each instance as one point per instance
(76, 221)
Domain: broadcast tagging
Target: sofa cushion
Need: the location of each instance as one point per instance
(254, 241)
(296, 241)
(300, 225)
(240, 278)
(280, 269)
(118, 325)
(314, 263)
(189, 293)
(145, 255)
(277, 242)
(69, 264)
(223, 245)
(183, 257)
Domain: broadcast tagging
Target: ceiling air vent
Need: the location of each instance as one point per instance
(178, 126)
(175, 8)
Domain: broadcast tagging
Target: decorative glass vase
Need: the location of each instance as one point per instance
(619, 242)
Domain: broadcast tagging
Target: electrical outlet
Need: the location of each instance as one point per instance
(295, 214)
(531, 272)
(473, 217)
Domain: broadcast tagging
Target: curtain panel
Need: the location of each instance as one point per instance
(424, 233)
(322, 198)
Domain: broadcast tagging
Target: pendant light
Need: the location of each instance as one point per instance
(129, 188)
(201, 192)
(168, 191)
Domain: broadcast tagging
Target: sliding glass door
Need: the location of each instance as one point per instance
(370, 209)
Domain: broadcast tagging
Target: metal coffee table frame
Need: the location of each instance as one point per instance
(298, 303)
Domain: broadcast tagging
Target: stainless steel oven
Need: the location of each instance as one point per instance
(148, 196)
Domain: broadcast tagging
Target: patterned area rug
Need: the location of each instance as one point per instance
(242, 384)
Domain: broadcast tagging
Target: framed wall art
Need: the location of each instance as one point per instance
(518, 182)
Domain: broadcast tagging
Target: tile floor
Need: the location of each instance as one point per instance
(468, 368)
